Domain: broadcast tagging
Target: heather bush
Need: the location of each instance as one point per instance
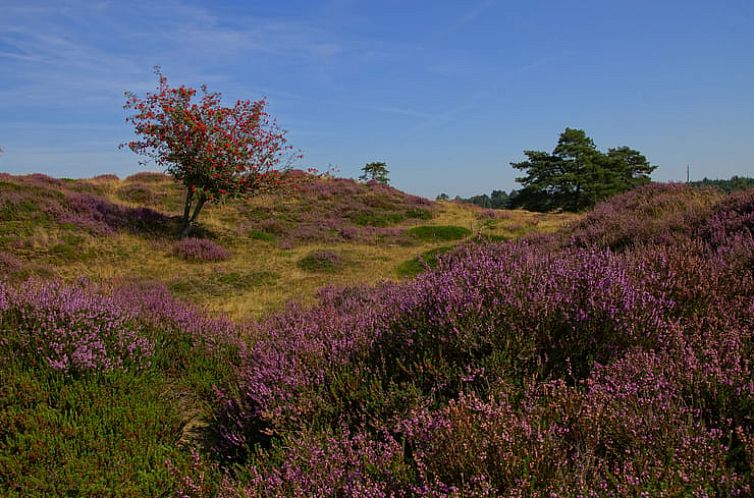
(732, 217)
(346, 211)
(39, 199)
(654, 213)
(355, 466)
(73, 330)
(101, 217)
(610, 361)
(97, 382)
(199, 250)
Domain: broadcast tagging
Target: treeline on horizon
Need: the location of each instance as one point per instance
(500, 199)
(577, 175)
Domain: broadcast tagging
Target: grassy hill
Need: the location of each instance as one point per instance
(609, 357)
(105, 228)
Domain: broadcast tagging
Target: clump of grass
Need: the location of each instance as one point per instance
(106, 178)
(431, 233)
(494, 237)
(321, 262)
(199, 250)
(223, 283)
(377, 218)
(255, 234)
(70, 248)
(138, 192)
(147, 177)
(419, 214)
(427, 260)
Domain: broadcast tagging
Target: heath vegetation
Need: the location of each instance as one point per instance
(541, 355)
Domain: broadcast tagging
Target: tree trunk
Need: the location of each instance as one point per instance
(186, 220)
(188, 223)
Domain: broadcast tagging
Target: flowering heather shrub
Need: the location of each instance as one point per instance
(9, 264)
(38, 198)
(198, 484)
(355, 466)
(654, 213)
(732, 217)
(618, 438)
(102, 217)
(346, 210)
(155, 307)
(614, 362)
(201, 250)
(137, 362)
(73, 329)
(147, 177)
(503, 314)
(83, 326)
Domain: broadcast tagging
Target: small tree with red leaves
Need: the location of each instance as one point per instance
(216, 152)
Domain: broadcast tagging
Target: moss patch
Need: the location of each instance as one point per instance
(414, 266)
(431, 233)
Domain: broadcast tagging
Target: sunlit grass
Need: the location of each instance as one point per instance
(260, 275)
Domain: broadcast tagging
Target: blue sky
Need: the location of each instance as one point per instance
(448, 93)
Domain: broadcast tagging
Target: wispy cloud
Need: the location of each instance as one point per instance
(108, 47)
(468, 17)
(475, 12)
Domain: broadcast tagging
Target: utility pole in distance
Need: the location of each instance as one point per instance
(688, 174)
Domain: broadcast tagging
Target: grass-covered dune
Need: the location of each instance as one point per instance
(610, 358)
(247, 261)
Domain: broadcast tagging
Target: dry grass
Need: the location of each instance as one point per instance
(260, 276)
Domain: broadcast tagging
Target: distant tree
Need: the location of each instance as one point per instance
(576, 175)
(482, 201)
(442, 197)
(376, 171)
(216, 152)
(499, 199)
(732, 184)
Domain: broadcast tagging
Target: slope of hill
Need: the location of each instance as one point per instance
(105, 227)
(608, 358)
(611, 358)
